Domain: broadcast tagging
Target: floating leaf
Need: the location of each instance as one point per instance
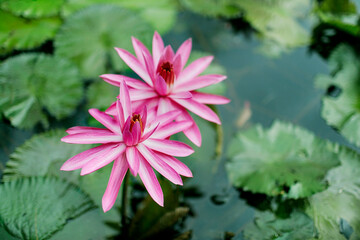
(88, 38)
(341, 108)
(101, 94)
(267, 226)
(43, 82)
(32, 9)
(284, 160)
(42, 155)
(35, 208)
(213, 8)
(336, 210)
(18, 33)
(161, 14)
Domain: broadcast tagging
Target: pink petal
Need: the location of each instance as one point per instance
(79, 129)
(167, 55)
(105, 120)
(128, 138)
(177, 165)
(177, 65)
(82, 158)
(193, 133)
(120, 114)
(117, 175)
(92, 138)
(150, 181)
(194, 69)
(170, 129)
(159, 165)
(116, 79)
(163, 106)
(157, 48)
(207, 98)
(167, 117)
(184, 51)
(169, 147)
(149, 66)
(134, 64)
(140, 50)
(198, 82)
(160, 85)
(136, 132)
(125, 100)
(199, 109)
(149, 132)
(184, 95)
(103, 159)
(132, 157)
(137, 95)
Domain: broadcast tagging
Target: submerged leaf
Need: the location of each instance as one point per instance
(32, 9)
(43, 82)
(336, 211)
(18, 33)
(89, 36)
(284, 160)
(267, 226)
(35, 208)
(341, 109)
(42, 155)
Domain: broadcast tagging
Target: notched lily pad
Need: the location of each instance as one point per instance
(32, 9)
(89, 36)
(44, 81)
(342, 110)
(283, 160)
(35, 208)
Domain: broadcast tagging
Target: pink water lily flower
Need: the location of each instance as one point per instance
(135, 140)
(168, 84)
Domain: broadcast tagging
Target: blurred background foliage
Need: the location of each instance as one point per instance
(285, 164)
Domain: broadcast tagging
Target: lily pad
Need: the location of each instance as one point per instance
(44, 81)
(213, 8)
(32, 9)
(101, 94)
(43, 155)
(35, 208)
(89, 36)
(341, 108)
(336, 211)
(19, 34)
(285, 160)
(267, 226)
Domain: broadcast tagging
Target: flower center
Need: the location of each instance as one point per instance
(136, 118)
(166, 71)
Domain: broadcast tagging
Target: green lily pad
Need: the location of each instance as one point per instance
(88, 38)
(35, 208)
(213, 8)
(336, 210)
(341, 108)
(44, 81)
(277, 20)
(101, 94)
(19, 34)
(32, 9)
(285, 160)
(43, 155)
(161, 14)
(267, 226)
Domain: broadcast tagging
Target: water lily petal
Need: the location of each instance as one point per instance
(134, 64)
(199, 109)
(105, 120)
(92, 138)
(169, 147)
(198, 82)
(159, 165)
(183, 95)
(140, 50)
(132, 157)
(116, 79)
(184, 51)
(79, 160)
(124, 98)
(139, 94)
(194, 69)
(136, 132)
(170, 129)
(207, 98)
(160, 85)
(117, 175)
(157, 48)
(177, 165)
(80, 129)
(150, 181)
(103, 159)
(193, 132)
